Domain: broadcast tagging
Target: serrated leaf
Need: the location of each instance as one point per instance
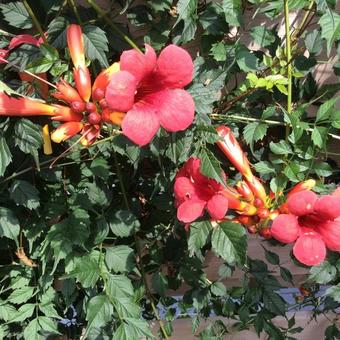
(334, 292)
(274, 302)
(119, 286)
(7, 312)
(254, 132)
(246, 60)
(120, 258)
(264, 167)
(133, 328)
(313, 42)
(16, 15)
(262, 36)
(330, 28)
(210, 166)
(98, 312)
(9, 224)
(123, 223)
(21, 295)
(24, 193)
(96, 44)
(199, 233)
(280, 148)
(28, 136)
(323, 273)
(271, 257)
(31, 332)
(229, 241)
(159, 283)
(326, 109)
(233, 12)
(24, 312)
(5, 155)
(98, 194)
(322, 169)
(218, 289)
(319, 134)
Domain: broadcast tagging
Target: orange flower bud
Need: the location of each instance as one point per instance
(65, 114)
(82, 78)
(66, 131)
(66, 92)
(244, 190)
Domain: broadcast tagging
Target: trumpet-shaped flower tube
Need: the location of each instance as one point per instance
(66, 93)
(232, 149)
(66, 131)
(308, 184)
(243, 189)
(82, 78)
(10, 106)
(151, 91)
(103, 79)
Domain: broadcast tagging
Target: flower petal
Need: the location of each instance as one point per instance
(330, 232)
(137, 63)
(120, 93)
(285, 228)
(23, 39)
(302, 202)
(328, 207)
(190, 210)
(174, 67)
(217, 206)
(184, 189)
(310, 249)
(140, 124)
(175, 108)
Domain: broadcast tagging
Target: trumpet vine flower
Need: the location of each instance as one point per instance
(150, 91)
(312, 224)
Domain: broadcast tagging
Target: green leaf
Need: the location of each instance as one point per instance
(16, 15)
(5, 155)
(123, 223)
(98, 194)
(120, 258)
(218, 289)
(280, 148)
(323, 273)
(24, 193)
(313, 42)
(246, 60)
(254, 132)
(96, 44)
(326, 110)
(48, 325)
(86, 271)
(126, 307)
(9, 224)
(98, 312)
(330, 28)
(319, 135)
(199, 233)
(119, 286)
(23, 313)
(31, 332)
(219, 51)
(233, 12)
(133, 328)
(230, 242)
(28, 136)
(271, 257)
(322, 169)
(210, 166)
(264, 167)
(334, 292)
(286, 274)
(21, 295)
(274, 302)
(262, 36)
(159, 283)
(7, 312)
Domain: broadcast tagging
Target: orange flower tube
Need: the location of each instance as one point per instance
(244, 190)
(82, 78)
(309, 184)
(66, 131)
(232, 149)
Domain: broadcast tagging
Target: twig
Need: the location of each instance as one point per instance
(35, 20)
(112, 25)
(76, 13)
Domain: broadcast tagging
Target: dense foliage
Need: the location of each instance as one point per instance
(90, 243)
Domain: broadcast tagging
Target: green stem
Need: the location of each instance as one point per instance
(35, 20)
(121, 183)
(74, 7)
(289, 65)
(112, 25)
(303, 21)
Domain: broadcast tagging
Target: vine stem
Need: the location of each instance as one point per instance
(270, 122)
(103, 14)
(289, 65)
(74, 7)
(139, 251)
(35, 20)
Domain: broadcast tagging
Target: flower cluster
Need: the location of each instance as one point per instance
(312, 222)
(141, 93)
